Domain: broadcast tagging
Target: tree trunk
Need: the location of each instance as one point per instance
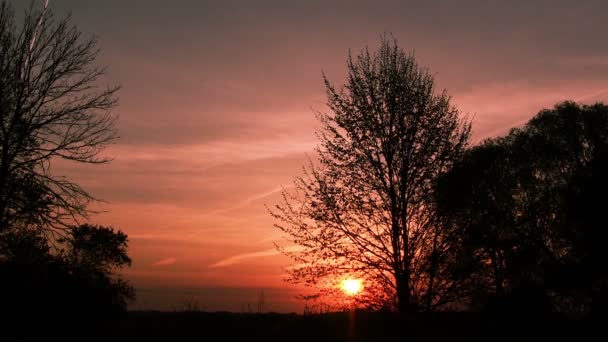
(498, 278)
(432, 273)
(404, 297)
(3, 192)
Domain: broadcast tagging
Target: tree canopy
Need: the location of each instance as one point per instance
(51, 107)
(78, 278)
(528, 208)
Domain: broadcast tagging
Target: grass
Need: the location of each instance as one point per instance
(346, 326)
(350, 326)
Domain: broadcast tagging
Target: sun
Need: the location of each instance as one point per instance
(352, 286)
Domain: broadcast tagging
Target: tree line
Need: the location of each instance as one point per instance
(399, 198)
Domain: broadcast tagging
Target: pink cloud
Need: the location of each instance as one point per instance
(235, 259)
(165, 262)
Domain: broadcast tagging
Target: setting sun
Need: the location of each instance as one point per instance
(352, 286)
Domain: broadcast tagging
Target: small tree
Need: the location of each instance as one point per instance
(51, 107)
(78, 279)
(366, 210)
(94, 254)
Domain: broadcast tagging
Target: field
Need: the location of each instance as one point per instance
(347, 326)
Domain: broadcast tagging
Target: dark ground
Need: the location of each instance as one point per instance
(359, 326)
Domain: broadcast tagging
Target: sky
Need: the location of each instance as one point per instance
(216, 114)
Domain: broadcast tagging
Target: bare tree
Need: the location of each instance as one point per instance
(366, 210)
(51, 107)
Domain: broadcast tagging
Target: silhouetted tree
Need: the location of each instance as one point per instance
(51, 107)
(527, 206)
(585, 274)
(96, 247)
(575, 165)
(76, 281)
(366, 209)
(484, 200)
(97, 252)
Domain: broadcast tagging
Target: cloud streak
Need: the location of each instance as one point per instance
(239, 258)
(165, 262)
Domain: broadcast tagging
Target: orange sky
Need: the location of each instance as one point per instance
(216, 113)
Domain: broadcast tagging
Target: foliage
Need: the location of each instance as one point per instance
(79, 279)
(97, 247)
(528, 207)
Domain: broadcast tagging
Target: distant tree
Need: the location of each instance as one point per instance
(96, 247)
(78, 279)
(24, 247)
(51, 107)
(366, 210)
(94, 254)
(528, 206)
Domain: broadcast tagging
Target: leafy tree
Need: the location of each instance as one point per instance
(51, 107)
(584, 274)
(575, 165)
(366, 210)
(78, 279)
(97, 247)
(528, 207)
(94, 254)
(484, 198)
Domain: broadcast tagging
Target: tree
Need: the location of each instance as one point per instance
(484, 198)
(40, 283)
(366, 210)
(529, 209)
(94, 254)
(51, 107)
(571, 140)
(96, 247)
(585, 220)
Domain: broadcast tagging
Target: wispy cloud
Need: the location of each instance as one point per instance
(235, 259)
(250, 200)
(215, 153)
(165, 262)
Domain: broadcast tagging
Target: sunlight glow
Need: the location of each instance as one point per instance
(352, 286)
